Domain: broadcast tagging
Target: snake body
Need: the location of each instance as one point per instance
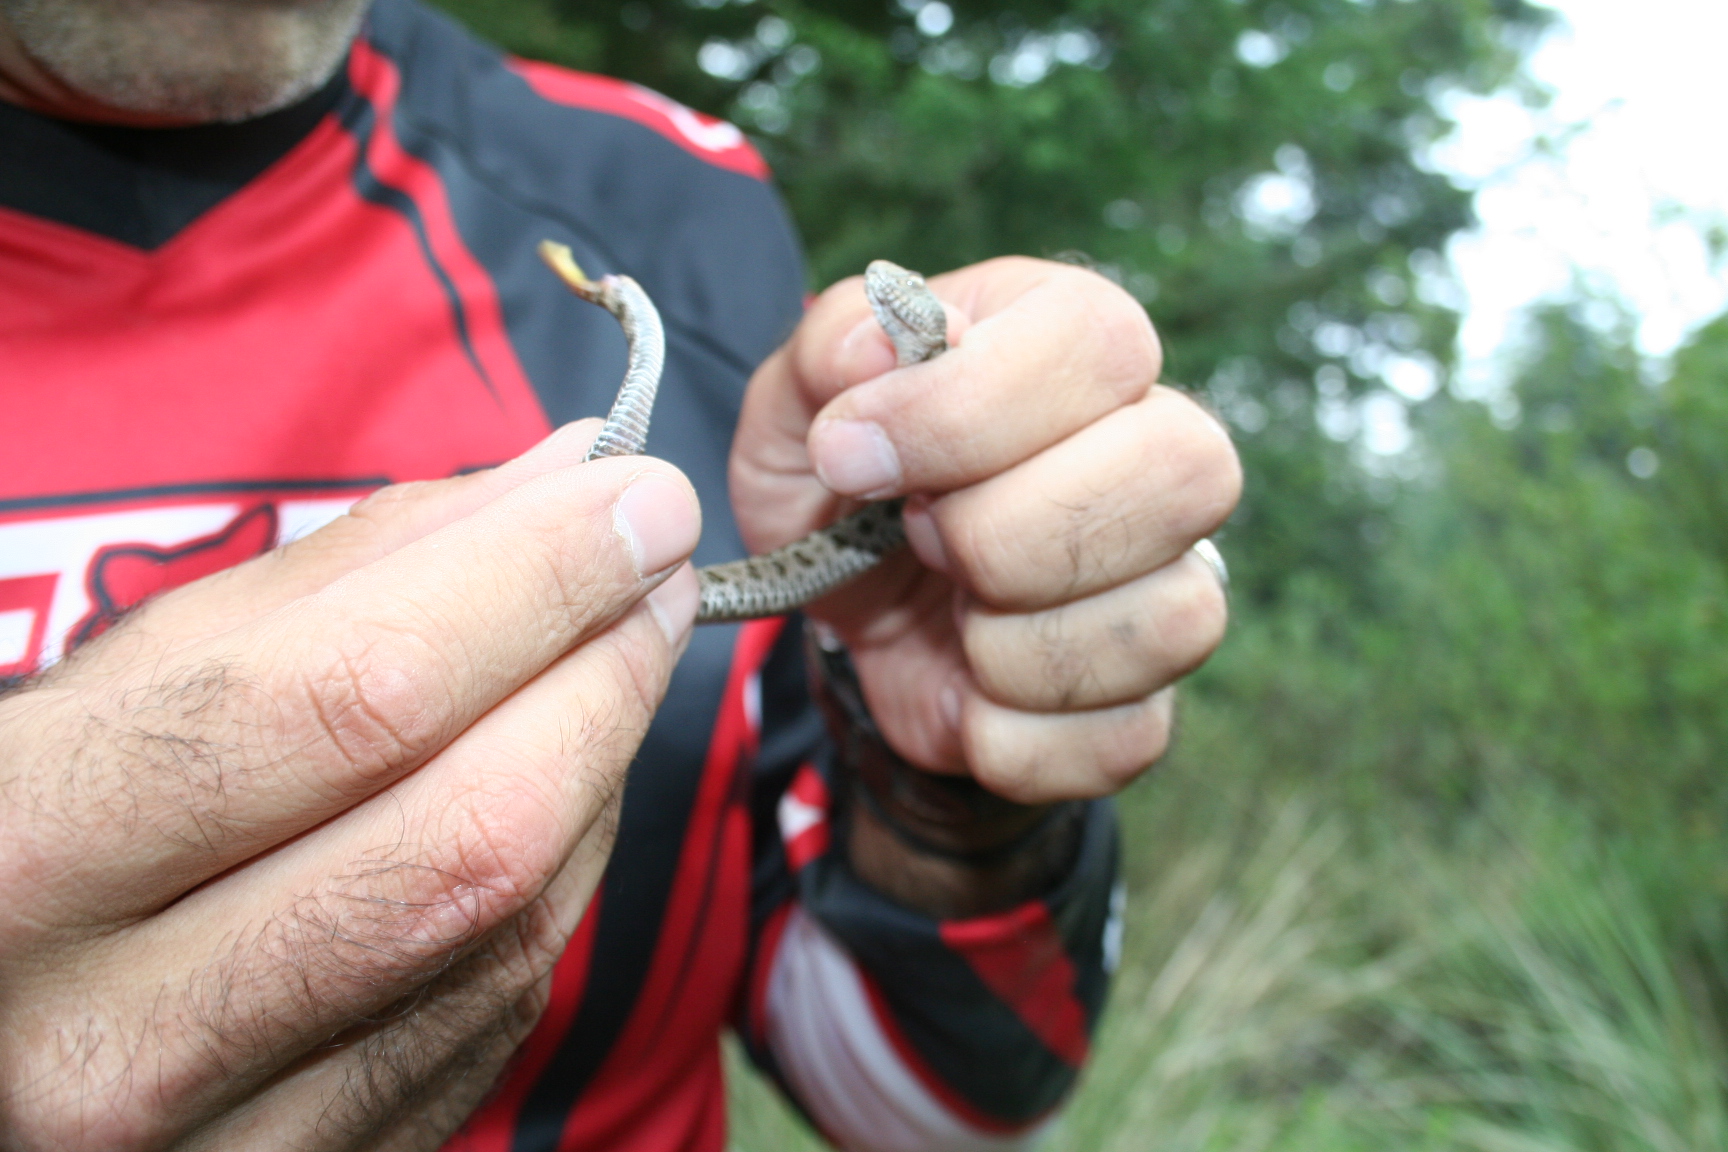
(792, 576)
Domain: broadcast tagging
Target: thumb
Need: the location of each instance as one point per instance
(777, 494)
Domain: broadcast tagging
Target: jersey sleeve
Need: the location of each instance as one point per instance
(892, 1030)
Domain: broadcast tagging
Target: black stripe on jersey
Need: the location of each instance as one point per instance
(714, 248)
(970, 1039)
(1081, 908)
(200, 488)
(792, 735)
(658, 799)
(357, 115)
(143, 186)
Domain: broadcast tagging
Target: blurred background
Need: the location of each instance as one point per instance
(1436, 861)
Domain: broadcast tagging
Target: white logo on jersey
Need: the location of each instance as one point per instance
(48, 586)
(708, 135)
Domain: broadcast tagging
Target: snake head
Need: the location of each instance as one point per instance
(907, 310)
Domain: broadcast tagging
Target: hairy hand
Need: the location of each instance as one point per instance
(291, 852)
(1050, 598)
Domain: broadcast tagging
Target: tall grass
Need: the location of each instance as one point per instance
(1525, 983)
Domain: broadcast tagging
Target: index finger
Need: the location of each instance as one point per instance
(1049, 349)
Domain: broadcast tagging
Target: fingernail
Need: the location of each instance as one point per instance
(924, 536)
(564, 448)
(674, 604)
(660, 521)
(854, 458)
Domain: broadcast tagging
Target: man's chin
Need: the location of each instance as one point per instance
(187, 61)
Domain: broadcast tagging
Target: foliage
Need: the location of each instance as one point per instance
(1548, 603)
(1250, 170)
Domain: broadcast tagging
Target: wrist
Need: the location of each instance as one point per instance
(942, 844)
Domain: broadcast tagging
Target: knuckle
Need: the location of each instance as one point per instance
(507, 844)
(1011, 777)
(1136, 743)
(1176, 622)
(368, 522)
(1202, 624)
(992, 558)
(1067, 675)
(999, 680)
(1121, 336)
(1008, 685)
(1208, 468)
(366, 938)
(1099, 753)
(996, 756)
(527, 949)
(1121, 346)
(1031, 662)
(369, 710)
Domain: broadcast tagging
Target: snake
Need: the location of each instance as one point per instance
(792, 576)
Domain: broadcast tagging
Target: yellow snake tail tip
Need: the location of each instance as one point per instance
(559, 258)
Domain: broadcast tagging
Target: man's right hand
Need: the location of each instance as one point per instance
(287, 857)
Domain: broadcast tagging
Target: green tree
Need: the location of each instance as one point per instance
(1248, 168)
(1550, 604)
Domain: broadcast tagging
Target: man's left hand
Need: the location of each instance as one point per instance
(1050, 599)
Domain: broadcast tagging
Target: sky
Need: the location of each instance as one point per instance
(1614, 185)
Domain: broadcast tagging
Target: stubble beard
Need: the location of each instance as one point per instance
(199, 61)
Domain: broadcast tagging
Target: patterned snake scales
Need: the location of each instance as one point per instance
(803, 570)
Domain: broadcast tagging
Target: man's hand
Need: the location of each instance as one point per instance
(1050, 599)
(289, 854)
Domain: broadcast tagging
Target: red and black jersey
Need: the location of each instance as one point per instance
(214, 339)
